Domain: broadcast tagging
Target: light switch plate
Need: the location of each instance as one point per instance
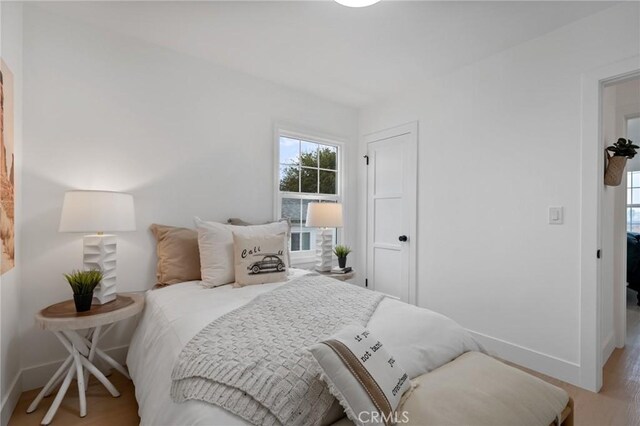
(556, 216)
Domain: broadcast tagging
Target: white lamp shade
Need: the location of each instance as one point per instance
(324, 215)
(97, 211)
(357, 3)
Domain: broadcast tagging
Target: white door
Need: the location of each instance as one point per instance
(391, 211)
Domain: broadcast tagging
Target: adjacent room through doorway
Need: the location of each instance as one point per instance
(620, 322)
(630, 121)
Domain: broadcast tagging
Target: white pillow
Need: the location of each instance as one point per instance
(215, 242)
(362, 375)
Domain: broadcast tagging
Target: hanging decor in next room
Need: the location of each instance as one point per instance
(622, 150)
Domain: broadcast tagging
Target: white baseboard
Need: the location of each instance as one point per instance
(542, 363)
(608, 347)
(10, 400)
(37, 376)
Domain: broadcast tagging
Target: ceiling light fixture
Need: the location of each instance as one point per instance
(357, 3)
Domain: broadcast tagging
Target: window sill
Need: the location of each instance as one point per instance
(303, 262)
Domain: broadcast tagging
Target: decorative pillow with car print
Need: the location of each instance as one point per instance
(259, 260)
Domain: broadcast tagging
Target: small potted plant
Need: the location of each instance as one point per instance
(341, 252)
(82, 283)
(622, 150)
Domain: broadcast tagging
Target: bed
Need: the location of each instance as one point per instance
(175, 314)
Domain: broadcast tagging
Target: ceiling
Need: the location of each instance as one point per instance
(352, 56)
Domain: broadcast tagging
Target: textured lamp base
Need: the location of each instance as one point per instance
(100, 253)
(324, 250)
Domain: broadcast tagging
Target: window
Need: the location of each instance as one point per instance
(633, 180)
(633, 202)
(309, 171)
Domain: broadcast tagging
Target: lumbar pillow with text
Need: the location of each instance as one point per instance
(215, 242)
(362, 375)
(259, 260)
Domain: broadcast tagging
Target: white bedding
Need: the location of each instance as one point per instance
(421, 340)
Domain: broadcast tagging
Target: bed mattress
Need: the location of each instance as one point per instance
(421, 341)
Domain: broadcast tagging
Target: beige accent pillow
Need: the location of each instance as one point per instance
(259, 260)
(178, 254)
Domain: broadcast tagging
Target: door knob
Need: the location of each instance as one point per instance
(403, 238)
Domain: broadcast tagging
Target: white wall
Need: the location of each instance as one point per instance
(499, 144)
(11, 52)
(184, 136)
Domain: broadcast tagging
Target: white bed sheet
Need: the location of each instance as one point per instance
(421, 340)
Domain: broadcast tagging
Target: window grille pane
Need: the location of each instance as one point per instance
(295, 241)
(309, 181)
(289, 151)
(327, 182)
(328, 157)
(290, 209)
(306, 241)
(635, 196)
(290, 178)
(633, 224)
(635, 179)
(309, 154)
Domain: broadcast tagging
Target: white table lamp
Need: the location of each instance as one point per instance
(99, 212)
(324, 216)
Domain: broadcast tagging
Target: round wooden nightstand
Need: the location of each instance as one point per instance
(64, 322)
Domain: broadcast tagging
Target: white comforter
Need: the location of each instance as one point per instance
(421, 340)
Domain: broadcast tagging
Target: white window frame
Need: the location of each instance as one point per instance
(626, 119)
(307, 256)
(628, 206)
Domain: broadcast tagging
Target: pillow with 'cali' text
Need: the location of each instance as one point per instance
(259, 260)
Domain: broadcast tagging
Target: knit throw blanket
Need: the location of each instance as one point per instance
(253, 362)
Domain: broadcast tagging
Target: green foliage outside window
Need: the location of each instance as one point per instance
(308, 174)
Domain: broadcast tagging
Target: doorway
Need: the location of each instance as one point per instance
(592, 159)
(391, 211)
(628, 310)
(620, 213)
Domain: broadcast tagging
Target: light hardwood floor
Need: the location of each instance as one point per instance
(102, 408)
(618, 404)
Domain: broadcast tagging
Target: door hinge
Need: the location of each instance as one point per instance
(366, 157)
(598, 254)
(366, 282)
